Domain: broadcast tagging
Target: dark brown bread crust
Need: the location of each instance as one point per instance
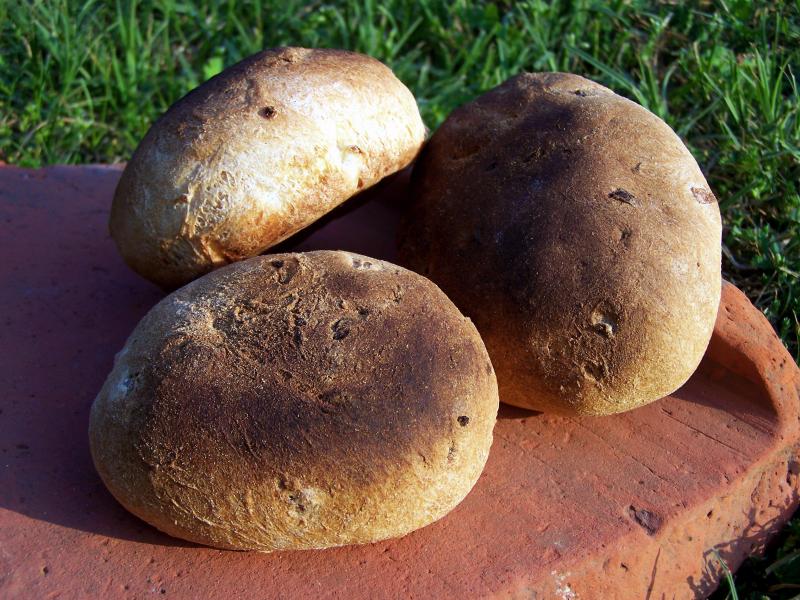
(297, 401)
(578, 233)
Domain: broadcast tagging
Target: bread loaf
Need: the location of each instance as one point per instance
(578, 233)
(296, 401)
(257, 153)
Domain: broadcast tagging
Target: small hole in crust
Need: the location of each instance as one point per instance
(285, 270)
(594, 371)
(341, 329)
(463, 420)
(624, 196)
(365, 264)
(604, 323)
(268, 112)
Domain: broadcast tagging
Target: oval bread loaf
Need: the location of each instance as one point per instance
(297, 401)
(257, 153)
(577, 231)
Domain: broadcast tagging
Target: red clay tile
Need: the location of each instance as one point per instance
(628, 506)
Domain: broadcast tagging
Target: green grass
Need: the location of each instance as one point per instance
(775, 576)
(80, 82)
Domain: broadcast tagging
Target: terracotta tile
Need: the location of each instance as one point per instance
(628, 506)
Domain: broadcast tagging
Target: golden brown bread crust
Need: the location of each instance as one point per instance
(297, 401)
(257, 153)
(578, 233)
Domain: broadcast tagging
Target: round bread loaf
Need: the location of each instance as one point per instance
(257, 153)
(577, 231)
(297, 401)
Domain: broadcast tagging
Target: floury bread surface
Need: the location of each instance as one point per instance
(578, 233)
(257, 153)
(297, 401)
